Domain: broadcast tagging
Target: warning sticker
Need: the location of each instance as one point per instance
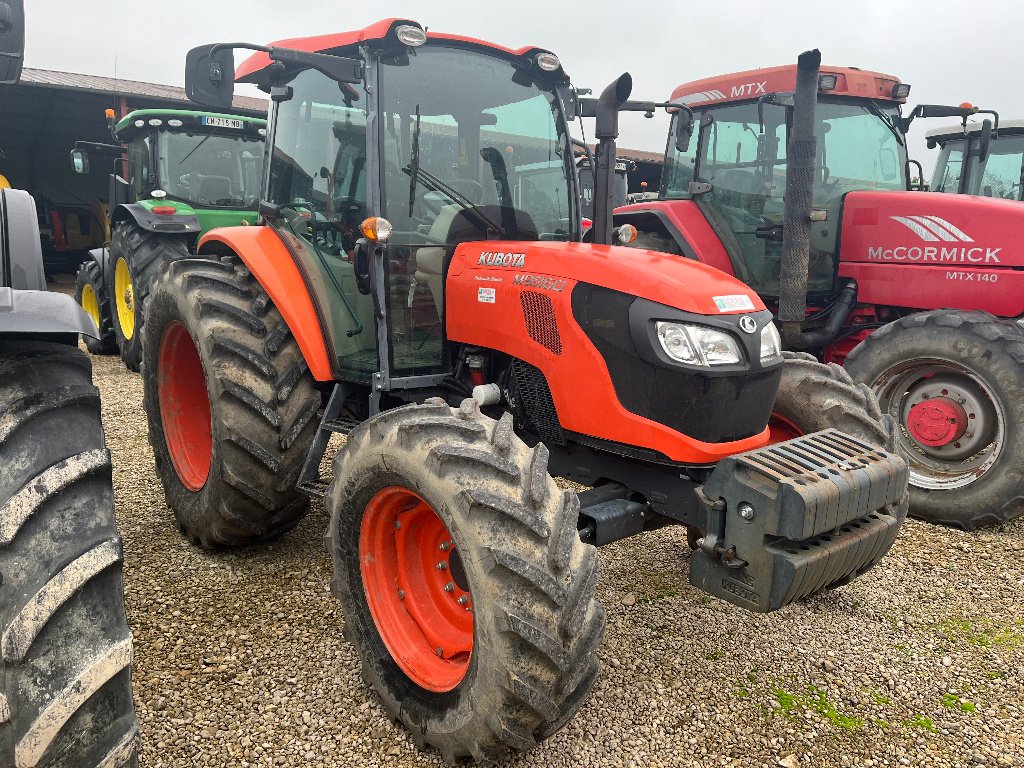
(739, 301)
(485, 295)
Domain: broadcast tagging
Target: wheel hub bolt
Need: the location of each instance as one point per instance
(401, 594)
(449, 587)
(440, 651)
(445, 546)
(462, 600)
(746, 511)
(442, 566)
(398, 525)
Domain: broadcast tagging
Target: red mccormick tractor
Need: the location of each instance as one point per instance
(65, 647)
(419, 244)
(920, 295)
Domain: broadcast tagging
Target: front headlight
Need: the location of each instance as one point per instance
(697, 344)
(771, 344)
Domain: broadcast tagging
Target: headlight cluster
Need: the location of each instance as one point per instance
(693, 344)
(698, 344)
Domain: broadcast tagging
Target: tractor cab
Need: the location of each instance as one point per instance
(734, 166)
(445, 141)
(967, 166)
(204, 164)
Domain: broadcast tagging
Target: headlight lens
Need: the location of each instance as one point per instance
(771, 344)
(697, 345)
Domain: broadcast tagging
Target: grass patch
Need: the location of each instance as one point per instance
(815, 700)
(983, 633)
(715, 655)
(880, 699)
(955, 702)
(922, 722)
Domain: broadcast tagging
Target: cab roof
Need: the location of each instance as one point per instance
(951, 132)
(741, 86)
(126, 127)
(249, 71)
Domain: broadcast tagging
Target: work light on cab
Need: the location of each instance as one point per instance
(548, 62)
(376, 229)
(410, 35)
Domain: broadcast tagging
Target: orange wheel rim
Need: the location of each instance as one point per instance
(184, 407)
(416, 588)
(781, 429)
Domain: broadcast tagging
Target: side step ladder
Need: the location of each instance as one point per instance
(311, 482)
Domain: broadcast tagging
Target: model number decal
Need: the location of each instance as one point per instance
(498, 259)
(537, 281)
(974, 277)
(734, 302)
(485, 295)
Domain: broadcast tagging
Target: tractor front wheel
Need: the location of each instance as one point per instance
(954, 382)
(230, 403)
(138, 256)
(91, 295)
(466, 590)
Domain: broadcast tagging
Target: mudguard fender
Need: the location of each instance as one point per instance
(21, 255)
(173, 224)
(263, 253)
(43, 312)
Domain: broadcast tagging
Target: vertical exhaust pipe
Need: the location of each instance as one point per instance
(607, 130)
(796, 230)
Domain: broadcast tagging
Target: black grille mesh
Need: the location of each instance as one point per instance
(539, 313)
(537, 404)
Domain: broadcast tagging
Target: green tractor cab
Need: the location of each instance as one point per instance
(176, 175)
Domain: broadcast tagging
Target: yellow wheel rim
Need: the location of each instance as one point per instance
(90, 304)
(124, 295)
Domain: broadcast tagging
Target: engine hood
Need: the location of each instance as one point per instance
(930, 229)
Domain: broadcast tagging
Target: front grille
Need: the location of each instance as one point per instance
(539, 313)
(537, 404)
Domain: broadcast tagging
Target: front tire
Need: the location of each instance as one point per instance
(65, 677)
(425, 491)
(91, 295)
(954, 382)
(230, 403)
(137, 256)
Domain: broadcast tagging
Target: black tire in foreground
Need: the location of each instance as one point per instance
(91, 295)
(466, 590)
(813, 397)
(65, 674)
(136, 257)
(230, 404)
(954, 382)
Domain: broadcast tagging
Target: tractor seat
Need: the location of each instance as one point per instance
(430, 260)
(214, 188)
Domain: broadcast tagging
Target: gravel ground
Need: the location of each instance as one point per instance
(240, 661)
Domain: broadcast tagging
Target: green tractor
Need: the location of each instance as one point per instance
(187, 172)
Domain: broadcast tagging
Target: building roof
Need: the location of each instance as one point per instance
(72, 81)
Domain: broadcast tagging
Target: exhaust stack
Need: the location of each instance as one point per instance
(608, 105)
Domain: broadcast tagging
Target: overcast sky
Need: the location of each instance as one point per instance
(948, 51)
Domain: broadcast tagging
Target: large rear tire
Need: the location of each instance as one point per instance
(65, 676)
(954, 382)
(91, 295)
(501, 655)
(137, 256)
(230, 403)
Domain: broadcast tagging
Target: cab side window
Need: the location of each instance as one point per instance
(139, 161)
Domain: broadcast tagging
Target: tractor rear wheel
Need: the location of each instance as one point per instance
(137, 256)
(466, 590)
(954, 382)
(230, 403)
(91, 295)
(65, 654)
(813, 396)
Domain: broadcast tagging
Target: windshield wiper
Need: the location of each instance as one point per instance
(879, 113)
(197, 146)
(429, 180)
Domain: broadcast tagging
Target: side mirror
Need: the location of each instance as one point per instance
(684, 130)
(80, 160)
(984, 140)
(12, 40)
(210, 76)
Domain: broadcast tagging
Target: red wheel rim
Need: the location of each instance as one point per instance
(184, 406)
(781, 429)
(416, 589)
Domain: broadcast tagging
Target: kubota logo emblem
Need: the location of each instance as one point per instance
(932, 229)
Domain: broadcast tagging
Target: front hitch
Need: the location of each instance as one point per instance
(790, 519)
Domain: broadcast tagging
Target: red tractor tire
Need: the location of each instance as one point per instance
(230, 403)
(466, 590)
(954, 382)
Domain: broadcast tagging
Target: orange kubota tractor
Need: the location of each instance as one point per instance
(416, 282)
(796, 180)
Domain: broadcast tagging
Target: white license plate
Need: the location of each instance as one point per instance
(223, 122)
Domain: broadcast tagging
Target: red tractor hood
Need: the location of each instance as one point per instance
(929, 229)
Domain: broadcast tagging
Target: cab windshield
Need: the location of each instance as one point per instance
(743, 156)
(211, 170)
